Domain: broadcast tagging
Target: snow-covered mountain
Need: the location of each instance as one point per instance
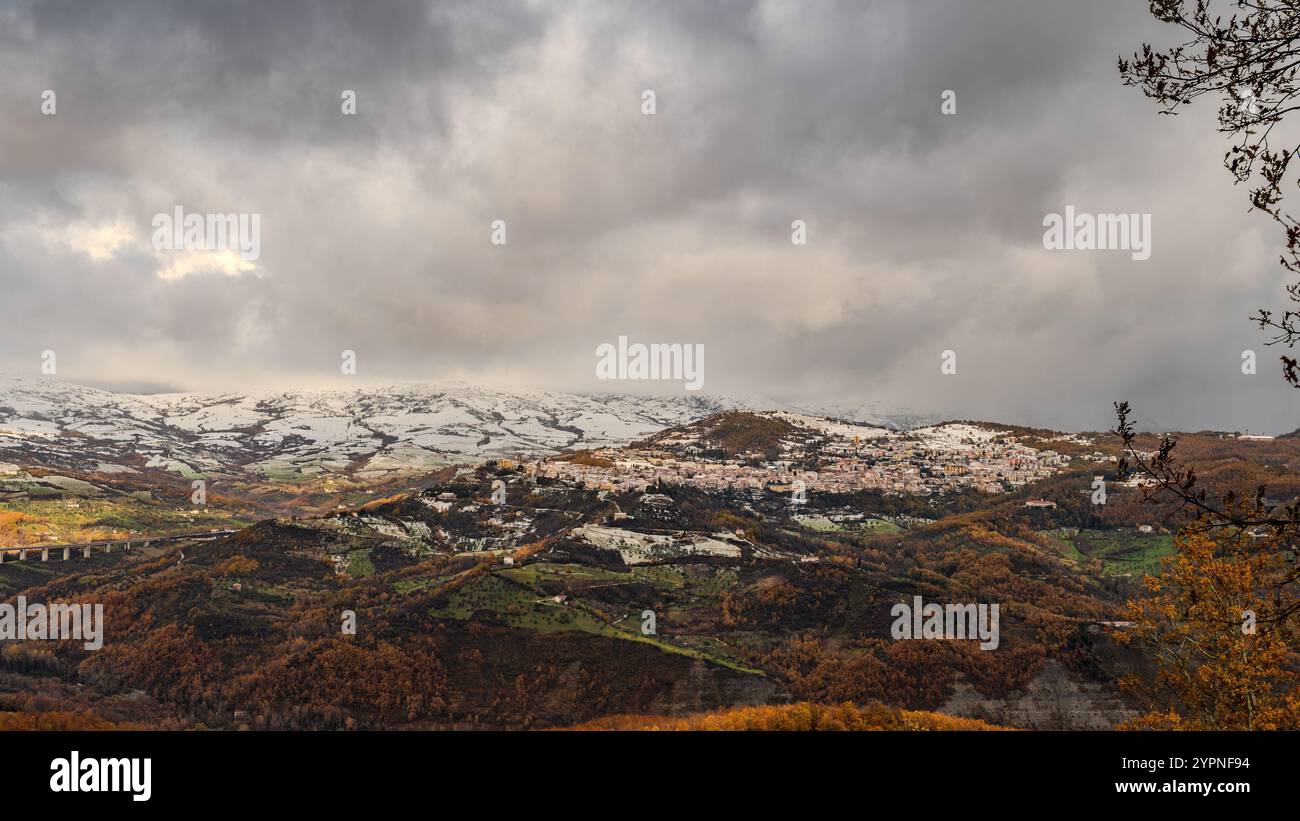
(53, 423)
(369, 431)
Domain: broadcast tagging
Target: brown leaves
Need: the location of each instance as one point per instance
(1213, 673)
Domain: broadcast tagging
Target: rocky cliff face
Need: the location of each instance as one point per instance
(1054, 700)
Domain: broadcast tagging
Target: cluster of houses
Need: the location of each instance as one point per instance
(894, 464)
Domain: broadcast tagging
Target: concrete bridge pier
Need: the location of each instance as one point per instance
(86, 553)
(22, 555)
(67, 553)
(45, 554)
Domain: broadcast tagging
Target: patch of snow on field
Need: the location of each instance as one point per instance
(956, 436)
(830, 427)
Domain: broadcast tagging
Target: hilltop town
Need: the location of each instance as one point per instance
(808, 454)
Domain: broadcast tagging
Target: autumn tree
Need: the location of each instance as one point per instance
(1225, 658)
(1223, 618)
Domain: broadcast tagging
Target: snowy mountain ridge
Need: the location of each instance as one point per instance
(370, 432)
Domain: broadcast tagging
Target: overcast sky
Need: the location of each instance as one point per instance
(925, 231)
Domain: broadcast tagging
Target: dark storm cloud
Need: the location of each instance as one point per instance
(924, 230)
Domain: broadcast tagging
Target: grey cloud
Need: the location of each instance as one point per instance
(925, 230)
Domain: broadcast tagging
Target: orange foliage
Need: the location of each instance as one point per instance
(10, 533)
(1219, 674)
(795, 717)
(374, 504)
(237, 566)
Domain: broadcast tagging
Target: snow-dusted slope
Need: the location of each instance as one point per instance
(271, 434)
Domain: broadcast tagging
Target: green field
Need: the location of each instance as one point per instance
(359, 565)
(507, 597)
(1121, 551)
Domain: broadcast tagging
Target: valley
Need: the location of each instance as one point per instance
(671, 572)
